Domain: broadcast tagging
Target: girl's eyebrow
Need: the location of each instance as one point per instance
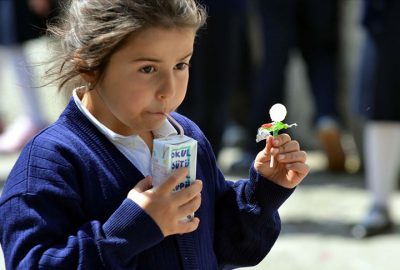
(187, 56)
(149, 59)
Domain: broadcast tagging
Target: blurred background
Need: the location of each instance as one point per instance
(316, 57)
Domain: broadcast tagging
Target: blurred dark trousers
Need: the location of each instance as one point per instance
(311, 26)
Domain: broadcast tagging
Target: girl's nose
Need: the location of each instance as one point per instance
(167, 88)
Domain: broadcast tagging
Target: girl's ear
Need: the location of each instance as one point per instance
(88, 77)
(83, 68)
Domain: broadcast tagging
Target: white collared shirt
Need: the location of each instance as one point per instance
(133, 146)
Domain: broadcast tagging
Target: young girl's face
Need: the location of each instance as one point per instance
(144, 79)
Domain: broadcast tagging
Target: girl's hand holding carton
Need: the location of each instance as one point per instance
(167, 208)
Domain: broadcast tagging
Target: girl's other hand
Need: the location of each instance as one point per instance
(168, 208)
(290, 166)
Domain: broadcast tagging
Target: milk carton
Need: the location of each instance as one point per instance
(171, 153)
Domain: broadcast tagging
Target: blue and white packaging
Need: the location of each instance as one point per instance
(171, 153)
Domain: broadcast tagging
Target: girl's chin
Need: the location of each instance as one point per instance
(156, 122)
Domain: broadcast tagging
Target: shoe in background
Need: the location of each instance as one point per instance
(14, 137)
(330, 139)
(376, 222)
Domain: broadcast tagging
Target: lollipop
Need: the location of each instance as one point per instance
(277, 113)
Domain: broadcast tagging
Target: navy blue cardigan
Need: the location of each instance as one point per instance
(64, 206)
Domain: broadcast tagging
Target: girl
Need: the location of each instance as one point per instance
(78, 197)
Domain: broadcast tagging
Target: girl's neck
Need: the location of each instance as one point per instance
(148, 137)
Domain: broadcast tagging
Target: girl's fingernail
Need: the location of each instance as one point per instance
(276, 142)
(280, 157)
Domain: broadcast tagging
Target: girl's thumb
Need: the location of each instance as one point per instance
(268, 145)
(144, 184)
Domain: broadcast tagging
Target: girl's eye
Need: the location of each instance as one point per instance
(147, 70)
(181, 66)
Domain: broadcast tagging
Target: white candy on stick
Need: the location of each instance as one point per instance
(278, 112)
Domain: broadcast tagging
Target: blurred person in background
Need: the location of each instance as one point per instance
(377, 98)
(215, 68)
(311, 26)
(21, 21)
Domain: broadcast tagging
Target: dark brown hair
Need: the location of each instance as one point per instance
(95, 29)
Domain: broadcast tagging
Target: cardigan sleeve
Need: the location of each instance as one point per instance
(247, 221)
(43, 224)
